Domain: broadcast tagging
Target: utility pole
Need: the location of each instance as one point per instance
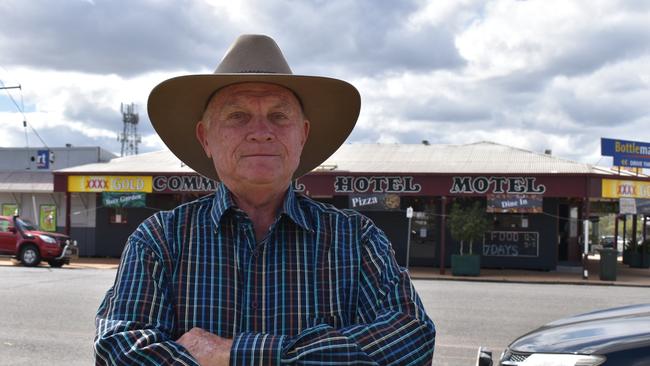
(129, 136)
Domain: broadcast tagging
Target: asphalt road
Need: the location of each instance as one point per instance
(47, 315)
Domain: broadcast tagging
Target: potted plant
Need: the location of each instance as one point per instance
(467, 224)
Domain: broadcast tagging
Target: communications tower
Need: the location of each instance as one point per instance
(129, 136)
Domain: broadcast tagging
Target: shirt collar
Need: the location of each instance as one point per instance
(291, 206)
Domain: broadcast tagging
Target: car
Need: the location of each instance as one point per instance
(23, 241)
(616, 336)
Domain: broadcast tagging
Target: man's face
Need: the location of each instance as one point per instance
(254, 133)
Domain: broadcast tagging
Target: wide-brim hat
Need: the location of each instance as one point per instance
(177, 104)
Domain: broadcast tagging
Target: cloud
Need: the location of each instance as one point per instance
(532, 74)
(110, 37)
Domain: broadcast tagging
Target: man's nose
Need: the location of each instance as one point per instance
(260, 129)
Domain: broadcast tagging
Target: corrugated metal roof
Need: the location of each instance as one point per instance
(154, 162)
(21, 182)
(480, 157)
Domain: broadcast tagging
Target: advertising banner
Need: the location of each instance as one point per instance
(374, 202)
(47, 218)
(111, 199)
(43, 159)
(514, 203)
(627, 206)
(626, 153)
(109, 183)
(511, 244)
(613, 188)
(9, 209)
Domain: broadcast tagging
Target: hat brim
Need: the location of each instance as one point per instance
(176, 105)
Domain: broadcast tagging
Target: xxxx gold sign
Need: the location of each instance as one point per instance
(109, 183)
(625, 188)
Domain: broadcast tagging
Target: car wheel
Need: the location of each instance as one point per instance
(30, 256)
(56, 263)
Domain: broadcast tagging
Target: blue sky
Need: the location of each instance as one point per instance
(537, 75)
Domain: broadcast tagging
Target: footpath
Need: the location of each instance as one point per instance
(625, 276)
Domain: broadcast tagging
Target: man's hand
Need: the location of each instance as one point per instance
(207, 348)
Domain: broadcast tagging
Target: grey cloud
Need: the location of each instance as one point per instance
(601, 47)
(367, 37)
(121, 37)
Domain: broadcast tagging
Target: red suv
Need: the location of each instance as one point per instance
(21, 240)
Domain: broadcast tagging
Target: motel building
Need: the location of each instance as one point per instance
(541, 206)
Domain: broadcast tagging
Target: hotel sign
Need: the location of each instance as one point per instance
(109, 183)
(376, 184)
(626, 153)
(496, 185)
(183, 183)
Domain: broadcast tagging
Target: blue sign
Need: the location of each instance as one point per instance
(43, 159)
(626, 153)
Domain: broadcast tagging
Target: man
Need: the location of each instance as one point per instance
(255, 273)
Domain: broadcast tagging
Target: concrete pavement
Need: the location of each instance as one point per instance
(625, 276)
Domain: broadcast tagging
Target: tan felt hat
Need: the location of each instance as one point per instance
(177, 104)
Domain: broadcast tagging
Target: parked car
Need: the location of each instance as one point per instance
(22, 240)
(617, 336)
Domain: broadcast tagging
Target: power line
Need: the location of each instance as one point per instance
(21, 109)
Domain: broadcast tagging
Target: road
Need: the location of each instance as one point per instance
(47, 315)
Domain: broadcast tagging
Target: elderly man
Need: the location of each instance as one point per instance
(256, 274)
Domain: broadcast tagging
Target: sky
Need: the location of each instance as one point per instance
(532, 74)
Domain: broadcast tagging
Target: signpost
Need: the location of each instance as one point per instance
(409, 215)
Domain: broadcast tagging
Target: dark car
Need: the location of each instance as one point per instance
(616, 336)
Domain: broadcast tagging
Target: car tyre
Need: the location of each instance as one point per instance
(30, 256)
(56, 263)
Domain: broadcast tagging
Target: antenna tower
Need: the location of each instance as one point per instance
(129, 136)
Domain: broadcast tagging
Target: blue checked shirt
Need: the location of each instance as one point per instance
(322, 287)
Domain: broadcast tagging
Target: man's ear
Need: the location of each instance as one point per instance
(202, 135)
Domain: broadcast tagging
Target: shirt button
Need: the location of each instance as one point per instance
(254, 305)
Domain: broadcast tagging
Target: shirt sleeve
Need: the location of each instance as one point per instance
(392, 326)
(134, 322)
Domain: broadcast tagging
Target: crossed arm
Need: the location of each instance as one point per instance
(136, 320)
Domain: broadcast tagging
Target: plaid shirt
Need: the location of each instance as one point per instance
(322, 287)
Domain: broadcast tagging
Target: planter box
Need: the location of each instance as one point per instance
(465, 265)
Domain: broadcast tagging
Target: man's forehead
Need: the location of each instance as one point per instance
(237, 93)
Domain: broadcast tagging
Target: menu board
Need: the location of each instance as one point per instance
(511, 244)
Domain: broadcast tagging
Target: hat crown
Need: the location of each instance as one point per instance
(255, 54)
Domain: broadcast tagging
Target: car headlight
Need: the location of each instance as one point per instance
(547, 359)
(47, 239)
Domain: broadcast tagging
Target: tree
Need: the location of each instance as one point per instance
(468, 223)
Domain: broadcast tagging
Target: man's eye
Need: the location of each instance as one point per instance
(237, 116)
(278, 116)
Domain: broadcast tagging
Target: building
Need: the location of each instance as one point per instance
(539, 204)
(27, 187)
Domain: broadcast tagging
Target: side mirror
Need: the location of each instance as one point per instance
(12, 229)
(484, 357)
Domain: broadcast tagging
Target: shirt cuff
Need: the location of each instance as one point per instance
(257, 348)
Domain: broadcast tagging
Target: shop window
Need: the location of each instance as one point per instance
(118, 215)
(510, 221)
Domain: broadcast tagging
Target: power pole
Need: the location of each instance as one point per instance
(129, 136)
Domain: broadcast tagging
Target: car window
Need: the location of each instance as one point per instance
(4, 225)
